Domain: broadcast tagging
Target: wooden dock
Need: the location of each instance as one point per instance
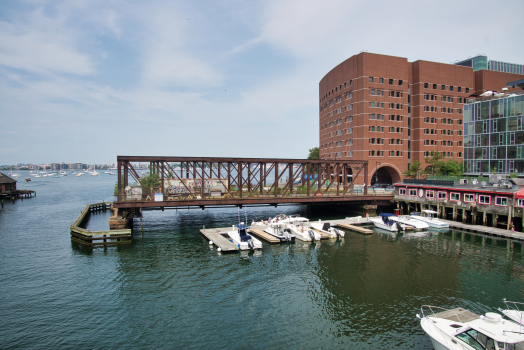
(492, 231)
(264, 236)
(89, 238)
(362, 230)
(220, 240)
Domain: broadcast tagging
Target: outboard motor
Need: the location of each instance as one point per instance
(337, 232)
(312, 234)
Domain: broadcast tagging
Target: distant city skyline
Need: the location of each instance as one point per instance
(92, 80)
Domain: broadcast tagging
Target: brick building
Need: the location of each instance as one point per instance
(391, 112)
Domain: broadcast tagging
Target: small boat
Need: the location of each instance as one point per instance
(242, 239)
(280, 231)
(111, 173)
(460, 329)
(386, 221)
(27, 179)
(429, 217)
(325, 227)
(514, 310)
(94, 173)
(410, 223)
(79, 174)
(299, 226)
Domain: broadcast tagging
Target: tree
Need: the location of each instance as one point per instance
(152, 180)
(314, 153)
(413, 170)
(450, 168)
(435, 161)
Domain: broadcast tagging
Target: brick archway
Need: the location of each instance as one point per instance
(385, 174)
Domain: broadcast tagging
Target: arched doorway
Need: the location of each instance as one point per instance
(385, 175)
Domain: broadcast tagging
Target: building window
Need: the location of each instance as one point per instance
(520, 202)
(425, 85)
(451, 88)
(434, 86)
(412, 192)
(401, 191)
(390, 81)
(442, 195)
(469, 198)
(454, 196)
(351, 83)
(467, 90)
(400, 82)
(370, 79)
(381, 80)
(485, 200)
(443, 87)
(459, 89)
(501, 201)
(430, 194)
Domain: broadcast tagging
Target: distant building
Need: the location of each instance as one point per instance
(494, 135)
(7, 184)
(481, 62)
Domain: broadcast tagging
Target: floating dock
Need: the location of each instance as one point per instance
(362, 230)
(264, 236)
(492, 231)
(220, 240)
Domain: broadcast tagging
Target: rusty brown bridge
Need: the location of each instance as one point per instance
(216, 182)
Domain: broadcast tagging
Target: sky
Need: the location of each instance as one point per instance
(87, 80)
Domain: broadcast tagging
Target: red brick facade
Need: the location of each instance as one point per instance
(391, 112)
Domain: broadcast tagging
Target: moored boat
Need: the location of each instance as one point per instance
(460, 329)
(242, 239)
(299, 226)
(280, 231)
(514, 310)
(411, 224)
(326, 228)
(429, 217)
(386, 221)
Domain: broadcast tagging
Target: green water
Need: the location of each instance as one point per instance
(171, 290)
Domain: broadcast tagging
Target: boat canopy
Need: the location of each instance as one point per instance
(387, 215)
(430, 211)
(242, 227)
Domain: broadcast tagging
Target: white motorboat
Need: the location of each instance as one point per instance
(280, 231)
(387, 222)
(79, 174)
(460, 329)
(299, 226)
(242, 239)
(514, 310)
(410, 223)
(429, 217)
(94, 173)
(325, 227)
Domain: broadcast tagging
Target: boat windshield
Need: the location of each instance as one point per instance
(477, 340)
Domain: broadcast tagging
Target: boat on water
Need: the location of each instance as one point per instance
(79, 174)
(514, 311)
(411, 224)
(429, 217)
(280, 231)
(27, 179)
(299, 226)
(94, 173)
(242, 239)
(325, 227)
(460, 329)
(386, 221)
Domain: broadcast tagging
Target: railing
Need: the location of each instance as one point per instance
(443, 335)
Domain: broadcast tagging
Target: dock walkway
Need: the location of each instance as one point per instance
(220, 240)
(493, 231)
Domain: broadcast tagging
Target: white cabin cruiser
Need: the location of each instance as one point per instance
(410, 223)
(514, 310)
(387, 222)
(325, 227)
(429, 217)
(242, 239)
(299, 226)
(280, 231)
(460, 329)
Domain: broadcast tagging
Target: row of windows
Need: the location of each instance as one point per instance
(396, 153)
(445, 154)
(372, 116)
(374, 153)
(444, 98)
(376, 104)
(443, 87)
(433, 120)
(381, 81)
(376, 141)
(455, 196)
(442, 109)
(442, 143)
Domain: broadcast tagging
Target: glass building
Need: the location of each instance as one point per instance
(481, 62)
(494, 136)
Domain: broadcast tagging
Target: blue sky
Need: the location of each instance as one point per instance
(85, 81)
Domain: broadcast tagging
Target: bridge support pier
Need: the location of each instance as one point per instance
(121, 219)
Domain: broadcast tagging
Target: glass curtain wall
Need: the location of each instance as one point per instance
(494, 136)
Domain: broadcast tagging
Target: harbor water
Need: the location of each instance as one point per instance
(170, 290)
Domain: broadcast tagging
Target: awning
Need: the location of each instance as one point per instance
(519, 194)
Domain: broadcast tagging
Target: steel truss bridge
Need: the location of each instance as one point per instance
(216, 182)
